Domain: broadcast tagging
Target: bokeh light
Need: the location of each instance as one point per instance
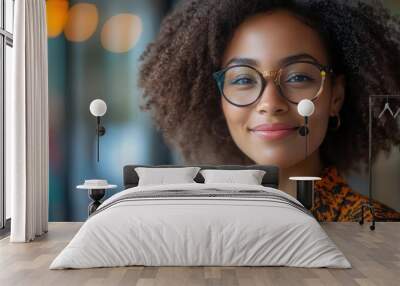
(57, 15)
(121, 32)
(82, 22)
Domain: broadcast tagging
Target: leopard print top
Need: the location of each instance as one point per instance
(336, 201)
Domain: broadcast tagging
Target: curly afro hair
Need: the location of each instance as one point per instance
(363, 44)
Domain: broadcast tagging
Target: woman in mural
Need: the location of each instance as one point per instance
(223, 80)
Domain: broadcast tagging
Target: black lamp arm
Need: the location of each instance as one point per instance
(100, 131)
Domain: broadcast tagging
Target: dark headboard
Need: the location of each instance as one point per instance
(270, 179)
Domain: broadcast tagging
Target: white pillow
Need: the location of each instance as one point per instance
(162, 176)
(248, 177)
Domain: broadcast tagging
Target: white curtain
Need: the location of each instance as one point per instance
(27, 135)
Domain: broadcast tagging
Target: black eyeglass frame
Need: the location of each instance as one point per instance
(275, 75)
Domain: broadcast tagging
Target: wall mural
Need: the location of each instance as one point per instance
(94, 50)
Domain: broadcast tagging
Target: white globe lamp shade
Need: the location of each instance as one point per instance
(98, 107)
(305, 107)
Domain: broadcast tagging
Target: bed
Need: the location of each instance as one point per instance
(201, 224)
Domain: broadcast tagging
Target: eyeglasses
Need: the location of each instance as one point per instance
(242, 85)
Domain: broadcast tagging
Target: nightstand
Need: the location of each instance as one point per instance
(96, 191)
(305, 190)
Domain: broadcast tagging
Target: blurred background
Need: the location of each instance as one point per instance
(94, 49)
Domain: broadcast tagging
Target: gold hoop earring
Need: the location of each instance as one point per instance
(338, 122)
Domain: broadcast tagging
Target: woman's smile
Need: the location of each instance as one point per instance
(274, 131)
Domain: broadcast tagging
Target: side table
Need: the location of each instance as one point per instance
(96, 191)
(305, 190)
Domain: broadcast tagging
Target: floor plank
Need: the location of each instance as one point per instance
(375, 257)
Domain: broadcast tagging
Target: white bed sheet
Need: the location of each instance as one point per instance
(200, 231)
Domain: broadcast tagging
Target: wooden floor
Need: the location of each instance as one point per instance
(375, 256)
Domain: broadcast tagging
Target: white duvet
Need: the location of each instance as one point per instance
(185, 231)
